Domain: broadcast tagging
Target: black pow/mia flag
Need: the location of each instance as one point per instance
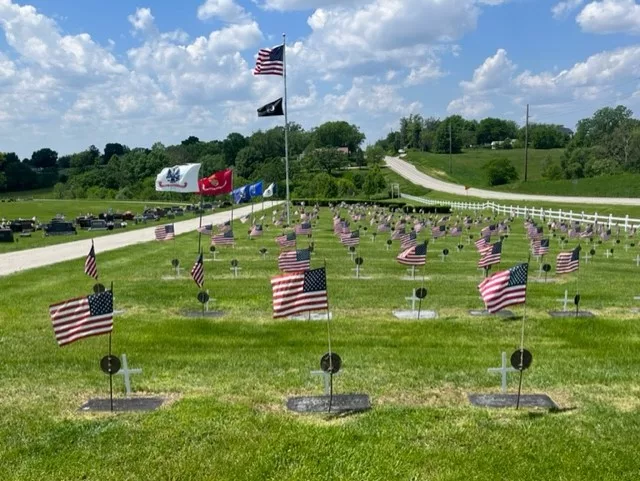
(271, 109)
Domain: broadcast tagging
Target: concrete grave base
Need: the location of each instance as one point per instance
(424, 314)
(173, 278)
(418, 277)
(550, 280)
(339, 403)
(571, 314)
(314, 316)
(509, 401)
(483, 313)
(123, 404)
(195, 314)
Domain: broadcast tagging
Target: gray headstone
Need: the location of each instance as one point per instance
(510, 400)
(340, 403)
(482, 313)
(424, 314)
(194, 314)
(126, 404)
(571, 313)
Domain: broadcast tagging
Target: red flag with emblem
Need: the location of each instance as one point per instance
(218, 183)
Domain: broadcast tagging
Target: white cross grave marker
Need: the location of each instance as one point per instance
(235, 270)
(586, 258)
(413, 299)
(638, 261)
(327, 380)
(608, 253)
(125, 372)
(503, 370)
(564, 301)
(413, 272)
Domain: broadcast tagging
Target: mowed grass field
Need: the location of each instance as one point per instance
(45, 210)
(227, 379)
(467, 169)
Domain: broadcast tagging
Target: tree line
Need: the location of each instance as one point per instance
(439, 135)
(319, 162)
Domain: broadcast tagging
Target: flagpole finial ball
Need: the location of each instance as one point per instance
(203, 297)
(521, 359)
(331, 363)
(110, 364)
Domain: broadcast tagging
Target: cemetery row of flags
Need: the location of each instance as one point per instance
(184, 178)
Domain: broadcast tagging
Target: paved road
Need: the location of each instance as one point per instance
(409, 172)
(12, 262)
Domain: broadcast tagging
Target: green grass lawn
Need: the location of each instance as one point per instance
(228, 379)
(45, 210)
(467, 169)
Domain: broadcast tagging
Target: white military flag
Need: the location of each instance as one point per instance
(179, 178)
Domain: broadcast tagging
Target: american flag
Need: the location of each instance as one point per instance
(165, 232)
(223, 239)
(294, 261)
(244, 219)
(606, 235)
(350, 239)
(491, 256)
(225, 226)
(197, 271)
(414, 256)
(575, 232)
(438, 231)
(287, 240)
(485, 232)
(90, 266)
(383, 228)
(567, 262)
(455, 232)
(588, 232)
(206, 229)
(541, 247)
(398, 234)
(82, 317)
(410, 241)
(482, 243)
(256, 231)
(298, 292)
(270, 61)
(304, 228)
(505, 288)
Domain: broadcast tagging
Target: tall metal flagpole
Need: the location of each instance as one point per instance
(286, 121)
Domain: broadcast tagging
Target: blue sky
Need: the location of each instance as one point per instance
(75, 73)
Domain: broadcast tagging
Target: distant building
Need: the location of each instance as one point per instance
(344, 150)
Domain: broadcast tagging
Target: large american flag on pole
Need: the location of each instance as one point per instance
(270, 61)
(90, 266)
(567, 262)
(505, 288)
(82, 317)
(294, 261)
(298, 292)
(197, 271)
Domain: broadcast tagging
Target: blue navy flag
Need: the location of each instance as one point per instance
(241, 194)
(255, 189)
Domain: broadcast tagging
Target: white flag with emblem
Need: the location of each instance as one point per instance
(179, 178)
(268, 192)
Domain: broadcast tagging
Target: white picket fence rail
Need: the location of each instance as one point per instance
(610, 220)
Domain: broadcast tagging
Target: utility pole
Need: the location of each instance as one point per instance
(526, 146)
(450, 154)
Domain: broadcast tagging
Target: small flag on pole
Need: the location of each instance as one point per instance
(505, 288)
(567, 262)
(350, 239)
(299, 292)
(541, 247)
(90, 266)
(256, 231)
(223, 239)
(287, 240)
(491, 256)
(414, 256)
(295, 261)
(82, 317)
(165, 232)
(197, 271)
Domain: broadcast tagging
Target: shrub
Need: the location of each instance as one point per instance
(500, 172)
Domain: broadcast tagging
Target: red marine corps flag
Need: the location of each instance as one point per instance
(218, 183)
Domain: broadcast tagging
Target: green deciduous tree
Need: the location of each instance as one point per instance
(500, 171)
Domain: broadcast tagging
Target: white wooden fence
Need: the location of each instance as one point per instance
(547, 214)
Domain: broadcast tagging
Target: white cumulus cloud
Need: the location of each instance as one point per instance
(610, 16)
